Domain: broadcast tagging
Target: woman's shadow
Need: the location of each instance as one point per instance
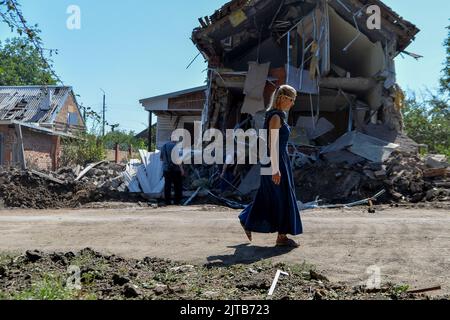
(246, 254)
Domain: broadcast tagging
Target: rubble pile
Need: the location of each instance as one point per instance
(405, 177)
(110, 277)
(62, 189)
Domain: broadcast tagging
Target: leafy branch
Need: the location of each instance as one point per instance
(11, 14)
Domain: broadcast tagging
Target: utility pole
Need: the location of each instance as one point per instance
(150, 133)
(104, 113)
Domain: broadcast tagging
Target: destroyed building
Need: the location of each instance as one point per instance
(33, 119)
(347, 141)
(343, 71)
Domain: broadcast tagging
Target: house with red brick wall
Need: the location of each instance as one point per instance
(33, 119)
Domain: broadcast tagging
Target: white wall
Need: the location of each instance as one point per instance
(166, 125)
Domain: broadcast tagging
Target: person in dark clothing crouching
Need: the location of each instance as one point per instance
(173, 174)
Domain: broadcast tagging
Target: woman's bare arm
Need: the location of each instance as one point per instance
(274, 128)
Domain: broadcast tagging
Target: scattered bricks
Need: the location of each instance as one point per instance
(437, 161)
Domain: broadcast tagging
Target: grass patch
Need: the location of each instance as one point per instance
(401, 289)
(50, 288)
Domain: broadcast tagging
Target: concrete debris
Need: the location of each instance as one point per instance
(39, 190)
(368, 147)
(47, 176)
(86, 170)
(405, 177)
(251, 181)
(436, 161)
(343, 156)
(314, 128)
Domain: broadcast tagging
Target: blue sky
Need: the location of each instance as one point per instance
(140, 48)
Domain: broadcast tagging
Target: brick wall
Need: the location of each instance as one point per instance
(41, 150)
(124, 156)
(8, 141)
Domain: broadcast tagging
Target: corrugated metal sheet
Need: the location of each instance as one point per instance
(28, 104)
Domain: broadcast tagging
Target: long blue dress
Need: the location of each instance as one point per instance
(275, 207)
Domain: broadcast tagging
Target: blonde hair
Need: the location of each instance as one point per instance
(283, 90)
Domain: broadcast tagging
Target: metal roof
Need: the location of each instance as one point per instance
(29, 103)
(172, 94)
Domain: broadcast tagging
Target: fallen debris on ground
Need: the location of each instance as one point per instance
(38, 190)
(110, 277)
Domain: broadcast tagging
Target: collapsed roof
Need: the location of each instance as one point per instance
(32, 104)
(338, 55)
(242, 24)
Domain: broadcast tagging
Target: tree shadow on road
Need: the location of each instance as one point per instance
(246, 254)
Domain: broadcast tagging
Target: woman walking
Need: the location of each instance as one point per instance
(275, 207)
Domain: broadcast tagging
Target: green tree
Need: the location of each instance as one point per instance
(11, 15)
(21, 64)
(427, 120)
(445, 81)
(124, 139)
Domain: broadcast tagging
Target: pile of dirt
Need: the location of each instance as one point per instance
(405, 177)
(29, 189)
(92, 275)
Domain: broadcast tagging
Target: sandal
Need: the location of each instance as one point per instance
(248, 233)
(288, 243)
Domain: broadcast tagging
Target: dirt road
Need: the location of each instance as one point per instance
(409, 246)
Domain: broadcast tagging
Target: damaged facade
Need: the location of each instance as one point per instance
(344, 72)
(32, 121)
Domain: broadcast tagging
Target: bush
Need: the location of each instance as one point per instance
(125, 140)
(87, 148)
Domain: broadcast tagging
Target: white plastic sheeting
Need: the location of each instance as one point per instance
(146, 176)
